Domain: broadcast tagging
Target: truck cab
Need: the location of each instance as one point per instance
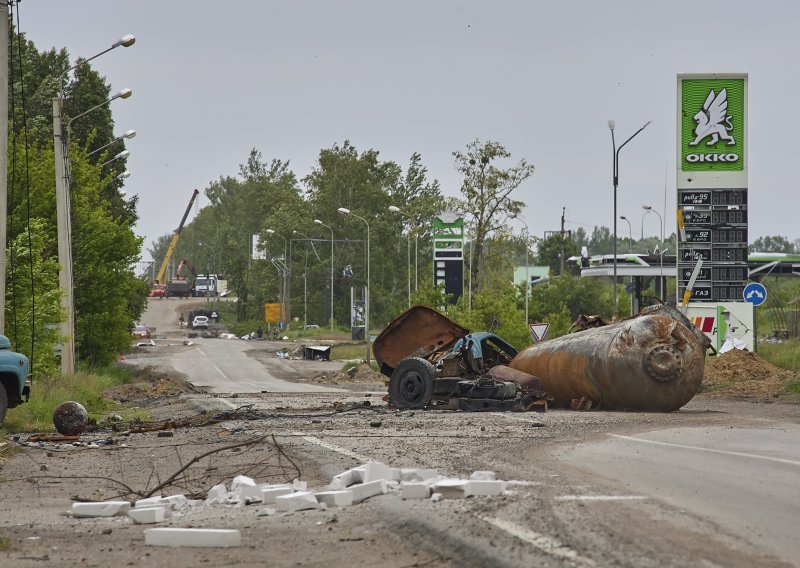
(14, 377)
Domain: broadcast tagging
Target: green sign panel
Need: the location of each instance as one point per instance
(712, 124)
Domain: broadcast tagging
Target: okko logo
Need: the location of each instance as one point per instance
(714, 122)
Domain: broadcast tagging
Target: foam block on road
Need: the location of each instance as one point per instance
(484, 487)
(209, 538)
(296, 501)
(336, 498)
(100, 509)
(483, 475)
(270, 492)
(372, 471)
(147, 515)
(408, 474)
(363, 491)
(450, 488)
(217, 494)
(415, 490)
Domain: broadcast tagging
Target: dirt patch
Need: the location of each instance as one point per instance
(362, 374)
(741, 373)
(148, 384)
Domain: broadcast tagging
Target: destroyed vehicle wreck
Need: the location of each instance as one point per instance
(432, 361)
(650, 362)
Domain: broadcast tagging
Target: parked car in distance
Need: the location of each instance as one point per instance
(141, 332)
(200, 322)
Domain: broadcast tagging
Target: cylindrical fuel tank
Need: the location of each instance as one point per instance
(648, 363)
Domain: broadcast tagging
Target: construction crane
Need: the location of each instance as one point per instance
(174, 242)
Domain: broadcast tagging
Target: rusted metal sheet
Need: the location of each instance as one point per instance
(650, 362)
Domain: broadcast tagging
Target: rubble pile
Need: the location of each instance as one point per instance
(744, 373)
(345, 489)
(361, 374)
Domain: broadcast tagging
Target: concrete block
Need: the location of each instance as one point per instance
(335, 498)
(298, 485)
(166, 507)
(415, 490)
(217, 494)
(209, 538)
(396, 473)
(248, 494)
(408, 474)
(372, 471)
(450, 488)
(484, 487)
(345, 479)
(436, 497)
(483, 475)
(100, 509)
(178, 502)
(296, 501)
(363, 491)
(147, 515)
(270, 493)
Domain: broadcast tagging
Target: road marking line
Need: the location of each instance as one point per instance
(601, 498)
(326, 445)
(725, 452)
(542, 542)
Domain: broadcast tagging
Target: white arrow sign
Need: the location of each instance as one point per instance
(539, 331)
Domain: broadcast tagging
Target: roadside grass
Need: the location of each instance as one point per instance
(793, 386)
(49, 392)
(785, 355)
(5, 544)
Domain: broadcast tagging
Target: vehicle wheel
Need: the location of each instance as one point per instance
(411, 384)
(3, 403)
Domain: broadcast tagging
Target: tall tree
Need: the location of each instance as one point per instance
(487, 190)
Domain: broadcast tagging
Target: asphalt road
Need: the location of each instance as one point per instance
(746, 480)
(221, 366)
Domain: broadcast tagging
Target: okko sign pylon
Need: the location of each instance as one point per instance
(712, 185)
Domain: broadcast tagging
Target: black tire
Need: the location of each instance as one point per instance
(411, 384)
(3, 402)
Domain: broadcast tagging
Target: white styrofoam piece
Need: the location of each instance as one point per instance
(336, 498)
(344, 480)
(269, 494)
(363, 491)
(210, 538)
(483, 475)
(415, 490)
(450, 488)
(296, 501)
(177, 501)
(298, 485)
(242, 481)
(100, 509)
(217, 494)
(166, 507)
(152, 501)
(372, 471)
(147, 515)
(484, 487)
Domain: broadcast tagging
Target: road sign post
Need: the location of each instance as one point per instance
(539, 331)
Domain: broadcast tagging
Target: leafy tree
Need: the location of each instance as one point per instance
(550, 250)
(487, 191)
(773, 244)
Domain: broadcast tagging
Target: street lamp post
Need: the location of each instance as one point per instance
(64, 229)
(305, 279)
(128, 134)
(649, 209)
(630, 232)
(527, 275)
(615, 155)
(394, 209)
(285, 294)
(319, 222)
(344, 211)
(214, 264)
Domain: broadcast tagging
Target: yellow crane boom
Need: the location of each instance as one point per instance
(174, 242)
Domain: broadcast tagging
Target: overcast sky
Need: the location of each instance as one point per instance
(211, 80)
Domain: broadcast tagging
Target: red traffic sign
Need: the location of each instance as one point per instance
(539, 331)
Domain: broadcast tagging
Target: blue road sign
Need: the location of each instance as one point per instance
(755, 293)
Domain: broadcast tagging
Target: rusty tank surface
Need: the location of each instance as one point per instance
(649, 362)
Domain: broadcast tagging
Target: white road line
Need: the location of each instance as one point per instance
(544, 543)
(711, 450)
(601, 498)
(326, 445)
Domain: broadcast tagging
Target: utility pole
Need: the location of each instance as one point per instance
(3, 160)
(561, 271)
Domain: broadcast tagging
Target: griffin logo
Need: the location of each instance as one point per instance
(713, 121)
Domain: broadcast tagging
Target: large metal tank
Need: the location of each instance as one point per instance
(650, 362)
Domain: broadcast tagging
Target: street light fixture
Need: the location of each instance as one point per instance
(129, 134)
(123, 154)
(649, 209)
(630, 231)
(318, 222)
(344, 211)
(395, 209)
(64, 229)
(615, 154)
